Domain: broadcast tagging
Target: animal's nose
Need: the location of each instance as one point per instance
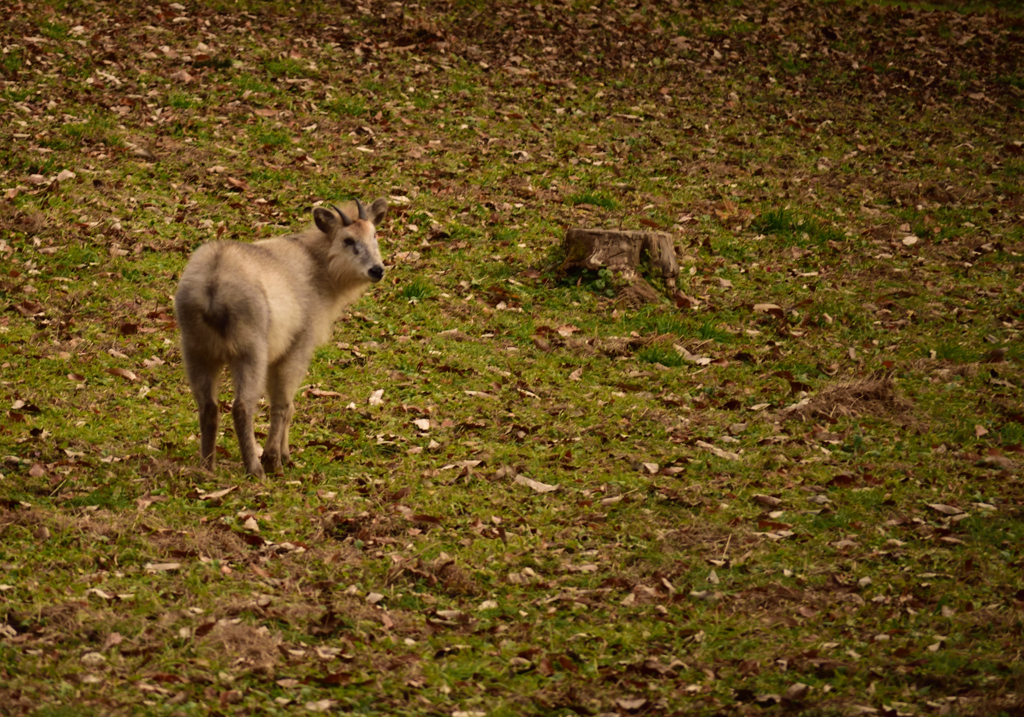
(376, 273)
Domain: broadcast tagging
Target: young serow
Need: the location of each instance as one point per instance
(261, 309)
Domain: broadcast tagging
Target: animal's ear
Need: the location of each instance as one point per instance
(325, 219)
(377, 210)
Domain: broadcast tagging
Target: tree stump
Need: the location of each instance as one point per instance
(620, 251)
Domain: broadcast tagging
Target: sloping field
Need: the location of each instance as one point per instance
(790, 483)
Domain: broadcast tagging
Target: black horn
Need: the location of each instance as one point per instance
(362, 209)
(344, 217)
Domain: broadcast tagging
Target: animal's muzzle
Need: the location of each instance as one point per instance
(376, 273)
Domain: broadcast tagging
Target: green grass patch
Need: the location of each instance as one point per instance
(12, 61)
(280, 68)
(181, 100)
(251, 83)
(95, 130)
(659, 354)
(417, 290)
(53, 30)
(109, 497)
(268, 135)
(794, 229)
(597, 199)
(350, 106)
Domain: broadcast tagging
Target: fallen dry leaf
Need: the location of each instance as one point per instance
(480, 394)
(727, 455)
(123, 373)
(147, 499)
(322, 394)
(534, 485)
(217, 494)
(631, 704)
(162, 567)
(796, 691)
(998, 462)
(699, 360)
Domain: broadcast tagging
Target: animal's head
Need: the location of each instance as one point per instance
(353, 252)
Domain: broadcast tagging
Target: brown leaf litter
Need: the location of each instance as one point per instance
(441, 572)
(98, 523)
(637, 294)
(612, 346)
(247, 646)
(864, 397)
(215, 542)
(48, 624)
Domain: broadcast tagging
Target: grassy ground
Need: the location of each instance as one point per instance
(794, 484)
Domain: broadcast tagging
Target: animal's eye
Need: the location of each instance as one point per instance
(349, 241)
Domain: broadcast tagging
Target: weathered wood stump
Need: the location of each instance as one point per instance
(620, 251)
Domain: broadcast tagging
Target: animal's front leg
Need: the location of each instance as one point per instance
(283, 381)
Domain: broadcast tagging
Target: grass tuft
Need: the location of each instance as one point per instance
(417, 290)
(793, 229)
(597, 199)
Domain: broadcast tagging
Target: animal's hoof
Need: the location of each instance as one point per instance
(271, 463)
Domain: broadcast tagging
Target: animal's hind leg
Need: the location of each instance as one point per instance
(283, 381)
(250, 376)
(204, 378)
